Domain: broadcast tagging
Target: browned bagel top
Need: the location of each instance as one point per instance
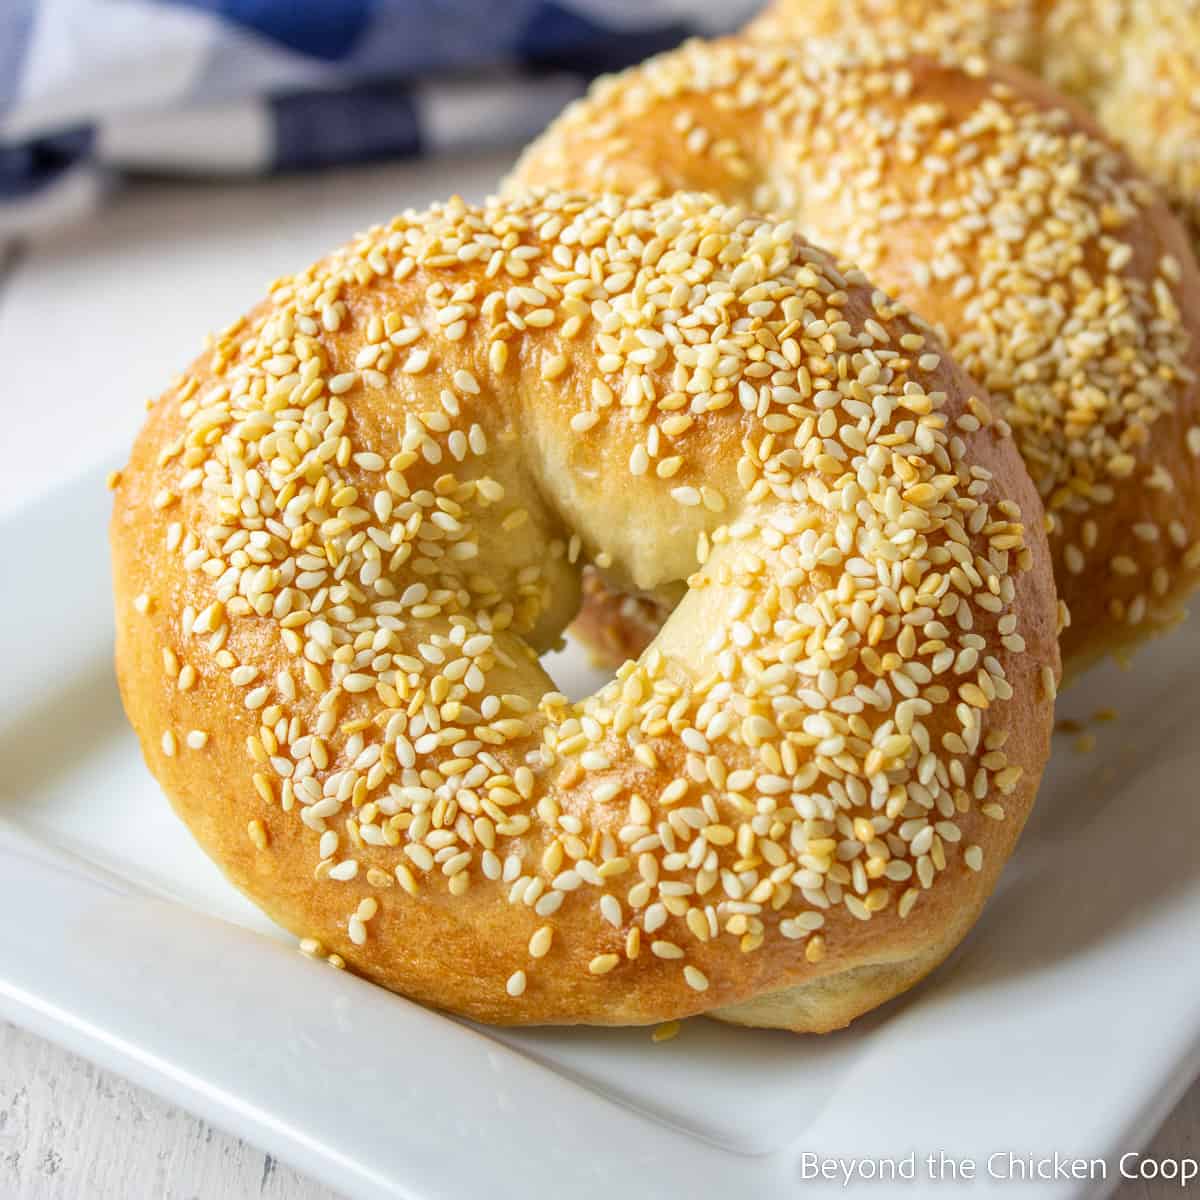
(347, 530)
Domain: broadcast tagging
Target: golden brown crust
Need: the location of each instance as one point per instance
(996, 209)
(345, 532)
(1134, 63)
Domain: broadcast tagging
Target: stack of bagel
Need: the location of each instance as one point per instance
(845, 368)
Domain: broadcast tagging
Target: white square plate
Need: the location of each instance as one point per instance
(1067, 1022)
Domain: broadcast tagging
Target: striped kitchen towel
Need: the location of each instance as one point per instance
(91, 89)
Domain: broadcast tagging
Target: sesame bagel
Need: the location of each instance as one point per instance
(347, 531)
(1135, 64)
(1060, 279)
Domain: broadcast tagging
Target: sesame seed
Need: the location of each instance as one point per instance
(554, 366)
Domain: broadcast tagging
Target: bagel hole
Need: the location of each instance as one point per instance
(613, 625)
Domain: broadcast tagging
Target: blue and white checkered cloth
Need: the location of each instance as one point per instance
(91, 89)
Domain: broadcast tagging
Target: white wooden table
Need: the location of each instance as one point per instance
(132, 293)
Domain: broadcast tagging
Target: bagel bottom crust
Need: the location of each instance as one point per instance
(827, 1005)
(832, 1002)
